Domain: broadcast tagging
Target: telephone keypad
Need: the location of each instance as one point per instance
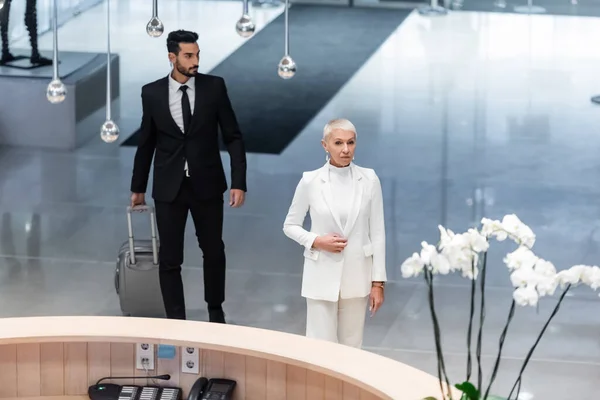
(148, 393)
(169, 394)
(128, 393)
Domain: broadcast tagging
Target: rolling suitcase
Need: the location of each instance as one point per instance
(136, 275)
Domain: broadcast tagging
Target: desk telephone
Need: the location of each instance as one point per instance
(203, 389)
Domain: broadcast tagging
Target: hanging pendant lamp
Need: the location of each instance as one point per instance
(56, 91)
(287, 66)
(109, 132)
(245, 27)
(155, 27)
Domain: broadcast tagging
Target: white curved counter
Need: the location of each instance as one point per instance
(57, 358)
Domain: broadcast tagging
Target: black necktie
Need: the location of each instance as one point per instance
(186, 109)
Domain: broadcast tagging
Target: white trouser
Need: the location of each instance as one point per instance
(341, 321)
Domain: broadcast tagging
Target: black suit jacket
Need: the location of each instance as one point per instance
(200, 146)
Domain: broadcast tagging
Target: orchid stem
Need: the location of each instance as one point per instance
(442, 374)
(470, 329)
(528, 357)
(481, 320)
(511, 314)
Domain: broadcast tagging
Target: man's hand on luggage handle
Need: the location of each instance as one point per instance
(236, 198)
(138, 199)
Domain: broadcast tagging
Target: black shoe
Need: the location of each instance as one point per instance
(217, 316)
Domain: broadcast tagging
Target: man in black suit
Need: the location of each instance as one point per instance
(182, 114)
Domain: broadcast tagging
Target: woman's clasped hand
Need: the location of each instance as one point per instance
(332, 243)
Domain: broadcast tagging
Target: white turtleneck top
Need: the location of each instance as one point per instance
(342, 190)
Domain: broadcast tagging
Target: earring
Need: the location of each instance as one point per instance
(326, 156)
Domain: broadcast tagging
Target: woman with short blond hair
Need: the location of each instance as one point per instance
(344, 256)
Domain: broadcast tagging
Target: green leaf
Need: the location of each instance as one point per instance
(470, 392)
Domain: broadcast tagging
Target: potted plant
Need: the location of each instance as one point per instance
(531, 276)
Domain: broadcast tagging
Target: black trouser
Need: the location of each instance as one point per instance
(208, 220)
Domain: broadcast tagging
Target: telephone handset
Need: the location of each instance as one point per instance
(213, 389)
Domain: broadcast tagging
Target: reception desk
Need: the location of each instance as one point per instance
(57, 358)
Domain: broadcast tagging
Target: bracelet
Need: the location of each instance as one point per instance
(378, 284)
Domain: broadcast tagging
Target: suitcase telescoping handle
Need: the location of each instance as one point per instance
(149, 209)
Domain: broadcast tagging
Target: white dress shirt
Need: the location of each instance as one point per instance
(342, 188)
(175, 96)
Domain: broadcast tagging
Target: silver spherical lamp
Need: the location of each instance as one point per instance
(245, 27)
(109, 132)
(155, 27)
(287, 66)
(56, 92)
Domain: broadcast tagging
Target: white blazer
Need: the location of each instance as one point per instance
(329, 276)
